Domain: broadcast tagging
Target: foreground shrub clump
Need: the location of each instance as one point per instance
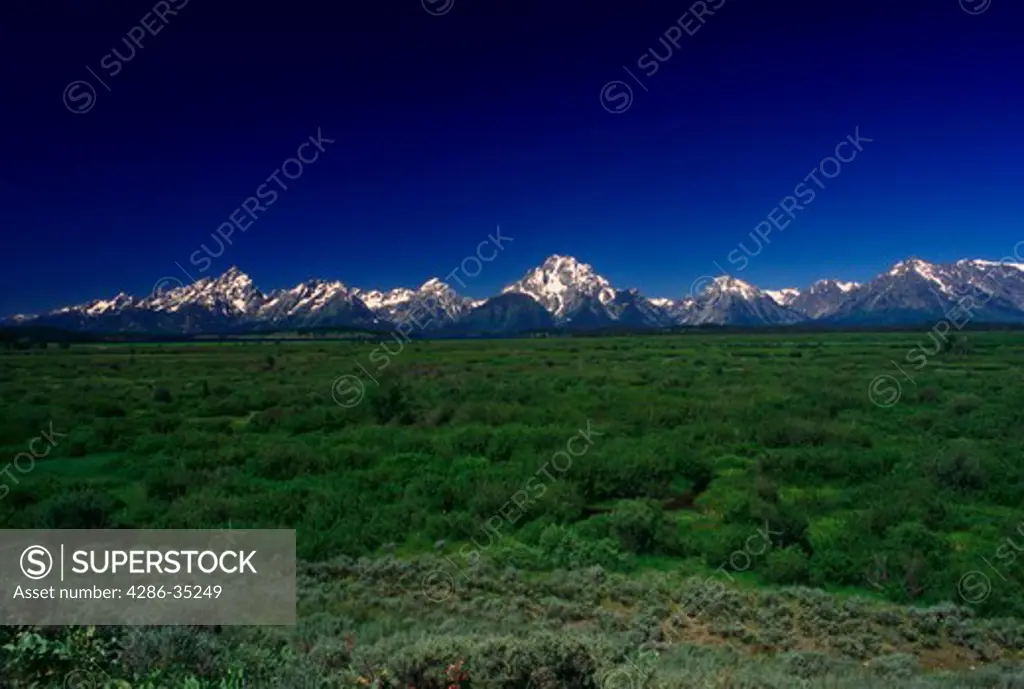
(389, 626)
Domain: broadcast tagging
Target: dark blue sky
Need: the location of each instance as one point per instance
(447, 126)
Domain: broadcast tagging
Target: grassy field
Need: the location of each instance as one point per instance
(814, 509)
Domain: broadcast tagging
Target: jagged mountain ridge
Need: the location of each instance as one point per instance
(729, 301)
(434, 305)
(981, 291)
(821, 299)
(564, 286)
(561, 292)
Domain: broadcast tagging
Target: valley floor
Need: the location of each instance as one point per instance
(710, 510)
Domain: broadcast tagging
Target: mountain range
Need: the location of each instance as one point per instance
(562, 293)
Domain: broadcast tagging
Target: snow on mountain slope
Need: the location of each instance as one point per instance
(915, 291)
(561, 283)
(936, 274)
(378, 300)
(433, 305)
(306, 297)
(570, 291)
(823, 298)
(784, 296)
(730, 301)
(121, 301)
(233, 293)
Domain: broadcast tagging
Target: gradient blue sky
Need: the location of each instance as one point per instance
(447, 126)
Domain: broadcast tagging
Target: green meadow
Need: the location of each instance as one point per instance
(706, 510)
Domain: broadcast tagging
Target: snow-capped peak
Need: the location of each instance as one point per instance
(234, 274)
(97, 307)
(726, 284)
(232, 292)
(101, 306)
(434, 284)
(929, 271)
(376, 299)
(560, 282)
(784, 296)
(313, 294)
(910, 264)
(828, 285)
(434, 295)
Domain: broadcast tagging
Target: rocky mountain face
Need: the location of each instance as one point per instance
(564, 286)
(434, 306)
(784, 296)
(728, 301)
(562, 293)
(506, 313)
(915, 290)
(821, 299)
(311, 304)
(577, 297)
(631, 309)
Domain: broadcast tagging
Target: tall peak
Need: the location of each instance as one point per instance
(727, 284)
(912, 263)
(433, 284)
(234, 275)
(561, 282)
